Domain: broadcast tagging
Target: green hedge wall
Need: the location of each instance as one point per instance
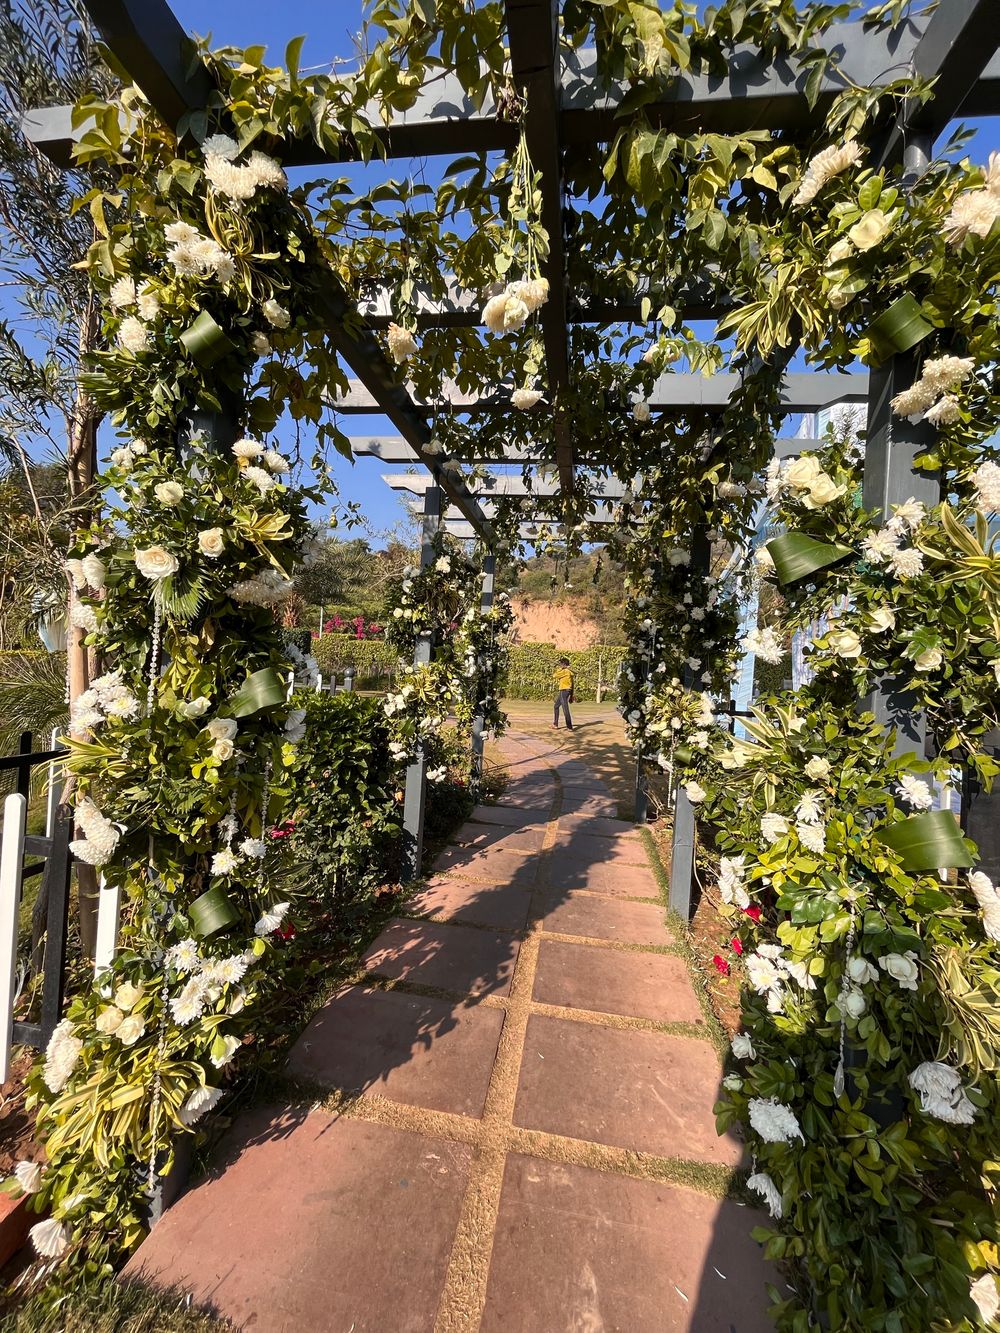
(373, 660)
(531, 666)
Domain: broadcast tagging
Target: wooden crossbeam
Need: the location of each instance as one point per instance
(598, 488)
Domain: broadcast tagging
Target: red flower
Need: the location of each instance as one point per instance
(753, 912)
(735, 944)
(721, 965)
(286, 932)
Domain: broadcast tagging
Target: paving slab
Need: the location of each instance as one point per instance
(490, 863)
(503, 905)
(462, 959)
(600, 918)
(523, 839)
(315, 1223)
(566, 872)
(506, 816)
(591, 805)
(614, 848)
(585, 1251)
(616, 981)
(414, 1049)
(598, 825)
(643, 1091)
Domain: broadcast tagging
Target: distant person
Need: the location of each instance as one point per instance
(563, 677)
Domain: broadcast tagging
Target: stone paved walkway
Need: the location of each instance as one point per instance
(515, 1130)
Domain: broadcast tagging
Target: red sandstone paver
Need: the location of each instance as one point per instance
(584, 1251)
(506, 816)
(615, 848)
(563, 871)
(599, 826)
(503, 905)
(639, 1090)
(616, 981)
(461, 959)
(521, 840)
(603, 918)
(490, 863)
(315, 1223)
(414, 1049)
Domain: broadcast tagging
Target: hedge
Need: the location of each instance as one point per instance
(531, 667)
(528, 676)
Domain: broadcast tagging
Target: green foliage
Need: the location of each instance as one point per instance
(375, 662)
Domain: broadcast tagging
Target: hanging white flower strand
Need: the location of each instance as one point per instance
(154, 656)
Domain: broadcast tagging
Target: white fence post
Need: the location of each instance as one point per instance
(109, 901)
(55, 781)
(15, 813)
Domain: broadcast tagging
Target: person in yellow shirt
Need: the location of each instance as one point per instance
(563, 678)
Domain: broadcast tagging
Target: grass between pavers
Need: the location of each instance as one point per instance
(114, 1308)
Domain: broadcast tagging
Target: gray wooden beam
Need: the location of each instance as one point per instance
(598, 488)
(415, 793)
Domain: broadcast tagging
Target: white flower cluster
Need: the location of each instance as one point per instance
(831, 162)
(61, 1056)
(986, 479)
(100, 836)
(773, 1120)
(915, 792)
(884, 547)
(526, 398)
(732, 886)
(402, 343)
(804, 478)
(90, 572)
(124, 457)
(510, 309)
(124, 294)
(268, 588)
(239, 182)
(222, 731)
(974, 212)
(988, 899)
(765, 644)
(810, 827)
(768, 970)
(133, 335)
(931, 398)
(941, 1093)
(195, 256)
(107, 698)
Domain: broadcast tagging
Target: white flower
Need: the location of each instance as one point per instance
(156, 563)
(871, 228)
(902, 967)
(132, 335)
(817, 768)
(989, 902)
(765, 644)
(915, 792)
(255, 848)
(247, 448)
(881, 620)
(742, 1045)
(128, 996)
(100, 837)
(946, 372)
(941, 1093)
(222, 728)
(230, 1046)
(731, 885)
(986, 480)
(493, 313)
(799, 971)
(271, 919)
(216, 145)
(945, 412)
(808, 808)
(773, 1121)
(149, 306)
(524, 399)
(983, 1294)
(122, 294)
(402, 343)
(109, 1020)
(182, 957)
(773, 827)
(277, 462)
(640, 410)
(190, 1004)
(761, 1183)
(211, 542)
(224, 862)
(972, 214)
(881, 546)
(130, 1030)
(515, 313)
(29, 1176)
(84, 617)
(261, 479)
(852, 1003)
(94, 570)
(861, 971)
(443, 565)
(906, 564)
(824, 167)
(61, 1055)
(929, 660)
(260, 345)
(694, 792)
(169, 493)
(276, 315)
(180, 233)
(845, 643)
(199, 1103)
(50, 1238)
(764, 974)
(812, 836)
(223, 750)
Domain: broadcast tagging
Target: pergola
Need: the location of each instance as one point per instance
(566, 107)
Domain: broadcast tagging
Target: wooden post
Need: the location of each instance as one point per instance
(415, 797)
(478, 721)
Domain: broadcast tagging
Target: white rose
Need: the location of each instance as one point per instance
(223, 750)
(801, 474)
(845, 643)
(130, 1030)
(822, 491)
(222, 728)
(871, 228)
(276, 315)
(211, 542)
(929, 660)
(818, 768)
(902, 967)
(861, 971)
(695, 792)
(128, 996)
(882, 619)
(195, 707)
(156, 563)
(839, 252)
(169, 493)
(854, 1004)
(109, 1020)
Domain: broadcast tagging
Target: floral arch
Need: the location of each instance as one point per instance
(646, 268)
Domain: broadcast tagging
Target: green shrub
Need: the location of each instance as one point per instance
(531, 666)
(374, 662)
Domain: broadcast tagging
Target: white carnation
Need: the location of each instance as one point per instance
(773, 1121)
